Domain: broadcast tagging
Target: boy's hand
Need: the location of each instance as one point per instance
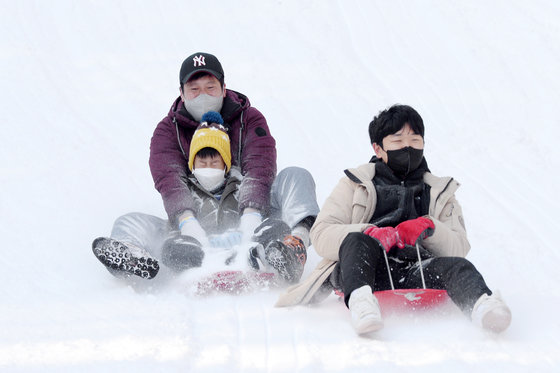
(189, 226)
(387, 236)
(248, 223)
(411, 231)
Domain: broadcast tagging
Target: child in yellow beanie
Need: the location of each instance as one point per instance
(216, 220)
(210, 154)
(214, 184)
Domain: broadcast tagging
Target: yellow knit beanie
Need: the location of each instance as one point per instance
(210, 135)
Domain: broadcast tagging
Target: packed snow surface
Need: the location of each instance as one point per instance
(85, 83)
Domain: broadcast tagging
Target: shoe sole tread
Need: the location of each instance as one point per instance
(117, 256)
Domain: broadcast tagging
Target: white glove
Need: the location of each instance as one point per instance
(248, 223)
(189, 226)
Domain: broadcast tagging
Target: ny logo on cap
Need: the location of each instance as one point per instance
(199, 61)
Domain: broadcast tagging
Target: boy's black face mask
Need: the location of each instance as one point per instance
(405, 160)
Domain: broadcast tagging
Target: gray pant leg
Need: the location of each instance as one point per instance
(293, 196)
(143, 230)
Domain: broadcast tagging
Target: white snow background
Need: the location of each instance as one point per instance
(84, 84)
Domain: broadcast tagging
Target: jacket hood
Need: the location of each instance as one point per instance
(234, 104)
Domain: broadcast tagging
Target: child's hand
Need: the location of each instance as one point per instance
(226, 239)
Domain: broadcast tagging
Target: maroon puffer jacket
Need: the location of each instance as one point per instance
(252, 146)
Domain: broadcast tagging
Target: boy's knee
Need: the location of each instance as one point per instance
(130, 217)
(294, 172)
(355, 237)
(460, 262)
(456, 265)
(358, 242)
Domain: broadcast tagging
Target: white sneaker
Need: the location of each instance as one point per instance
(364, 310)
(491, 313)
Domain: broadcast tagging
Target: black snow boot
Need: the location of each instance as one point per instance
(122, 258)
(181, 253)
(270, 230)
(275, 248)
(287, 261)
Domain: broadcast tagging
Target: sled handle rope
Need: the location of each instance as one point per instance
(388, 269)
(419, 262)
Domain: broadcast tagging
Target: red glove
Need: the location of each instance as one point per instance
(387, 236)
(410, 231)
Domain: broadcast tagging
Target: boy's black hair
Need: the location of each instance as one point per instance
(207, 153)
(390, 121)
(200, 75)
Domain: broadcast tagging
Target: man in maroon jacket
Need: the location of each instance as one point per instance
(253, 148)
(289, 197)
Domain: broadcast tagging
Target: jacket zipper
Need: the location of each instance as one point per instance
(179, 138)
(240, 141)
(443, 190)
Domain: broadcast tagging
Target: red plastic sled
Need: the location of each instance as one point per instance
(398, 300)
(234, 282)
(406, 300)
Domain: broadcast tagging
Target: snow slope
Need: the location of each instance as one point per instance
(84, 84)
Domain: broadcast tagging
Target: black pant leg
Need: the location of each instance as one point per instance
(463, 282)
(359, 257)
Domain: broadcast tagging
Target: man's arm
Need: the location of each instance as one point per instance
(169, 171)
(258, 162)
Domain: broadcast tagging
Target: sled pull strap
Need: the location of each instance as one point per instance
(389, 269)
(419, 263)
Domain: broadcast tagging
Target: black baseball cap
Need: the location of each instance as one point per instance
(200, 62)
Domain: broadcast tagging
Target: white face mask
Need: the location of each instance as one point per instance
(210, 178)
(202, 104)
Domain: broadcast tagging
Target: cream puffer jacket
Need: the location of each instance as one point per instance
(350, 207)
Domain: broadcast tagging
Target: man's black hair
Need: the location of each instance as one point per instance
(207, 153)
(390, 121)
(200, 75)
